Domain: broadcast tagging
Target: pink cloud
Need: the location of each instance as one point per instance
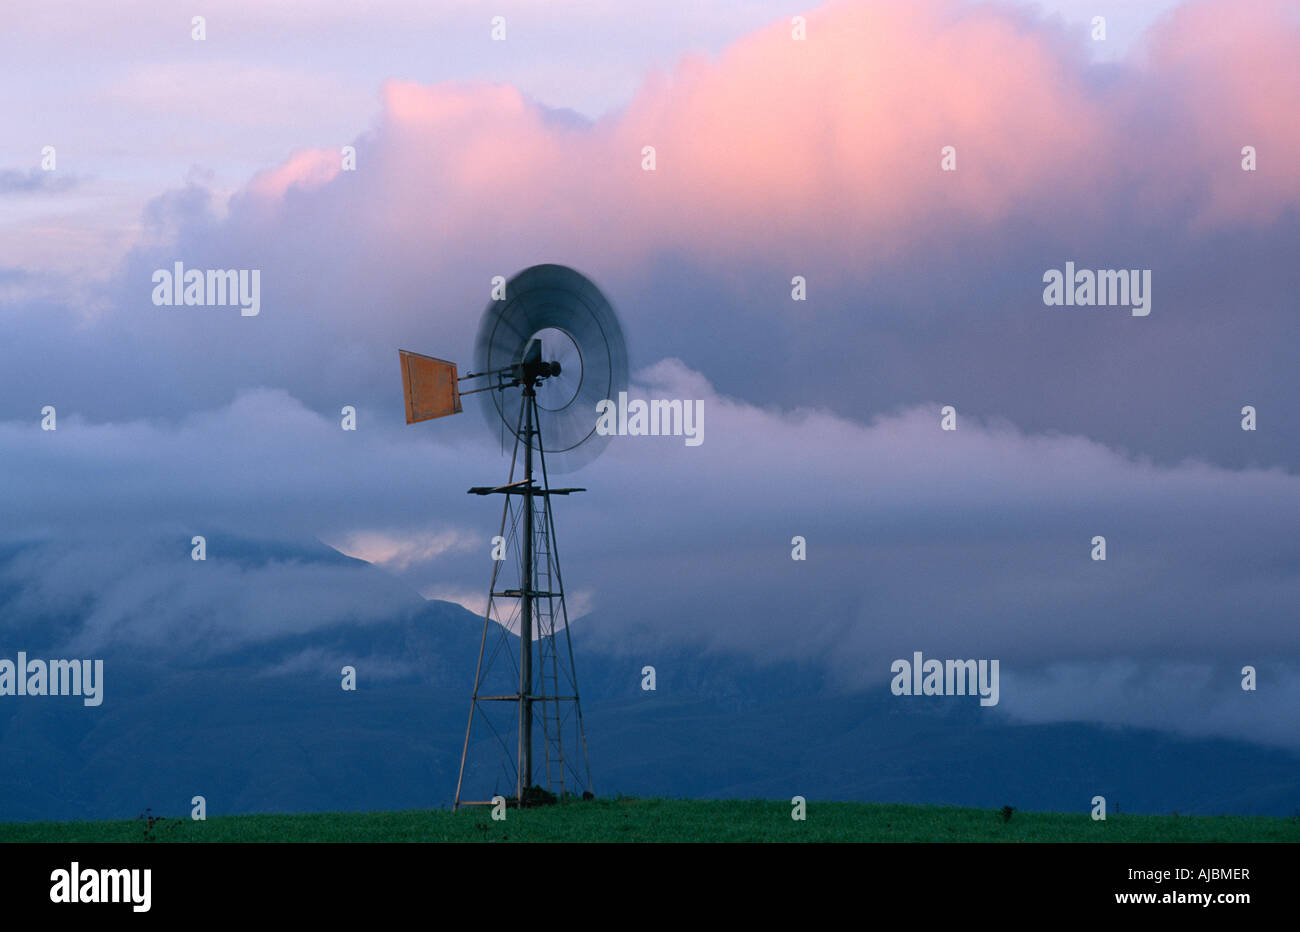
(310, 168)
(1228, 73)
(829, 148)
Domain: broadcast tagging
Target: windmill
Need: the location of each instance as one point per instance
(546, 353)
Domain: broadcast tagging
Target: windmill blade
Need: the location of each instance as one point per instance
(559, 311)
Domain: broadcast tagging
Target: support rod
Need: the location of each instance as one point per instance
(526, 608)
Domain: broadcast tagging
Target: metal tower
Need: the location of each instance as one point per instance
(534, 609)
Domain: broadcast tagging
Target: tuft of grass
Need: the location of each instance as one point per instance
(676, 820)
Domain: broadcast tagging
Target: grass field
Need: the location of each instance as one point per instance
(673, 820)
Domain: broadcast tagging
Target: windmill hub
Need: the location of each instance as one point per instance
(531, 374)
(560, 387)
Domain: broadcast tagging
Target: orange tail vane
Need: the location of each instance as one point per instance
(430, 386)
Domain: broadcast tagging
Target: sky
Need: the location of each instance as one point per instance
(775, 158)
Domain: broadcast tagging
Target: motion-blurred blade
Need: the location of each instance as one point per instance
(589, 345)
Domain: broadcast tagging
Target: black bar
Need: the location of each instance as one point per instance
(923, 882)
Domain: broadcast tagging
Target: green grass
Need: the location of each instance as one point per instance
(668, 820)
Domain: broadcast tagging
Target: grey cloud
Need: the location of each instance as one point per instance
(36, 181)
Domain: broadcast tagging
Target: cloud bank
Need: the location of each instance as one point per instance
(966, 543)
